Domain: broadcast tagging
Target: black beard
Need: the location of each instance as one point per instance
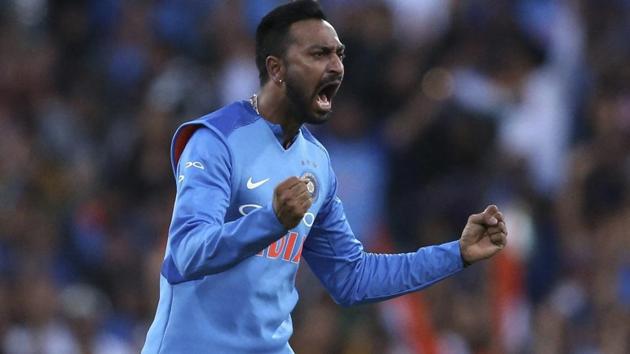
(300, 104)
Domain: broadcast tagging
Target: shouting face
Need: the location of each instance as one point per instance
(314, 69)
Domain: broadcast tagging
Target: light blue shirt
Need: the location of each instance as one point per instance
(227, 283)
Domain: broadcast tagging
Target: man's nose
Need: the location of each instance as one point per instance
(335, 66)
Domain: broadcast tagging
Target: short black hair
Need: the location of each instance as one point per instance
(272, 34)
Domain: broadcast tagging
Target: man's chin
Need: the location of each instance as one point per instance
(318, 117)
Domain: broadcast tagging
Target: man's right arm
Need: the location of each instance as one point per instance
(200, 242)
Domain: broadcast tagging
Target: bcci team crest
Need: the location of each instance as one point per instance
(312, 186)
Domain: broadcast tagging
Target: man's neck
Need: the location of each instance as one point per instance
(273, 106)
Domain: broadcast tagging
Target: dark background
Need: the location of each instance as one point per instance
(447, 106)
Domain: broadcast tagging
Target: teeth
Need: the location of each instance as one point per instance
(325, 95)
(323, 101)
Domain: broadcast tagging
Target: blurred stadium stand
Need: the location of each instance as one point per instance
(447, 106)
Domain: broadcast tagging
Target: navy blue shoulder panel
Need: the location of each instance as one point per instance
(223, 122)
(313, 140)
(231, 117)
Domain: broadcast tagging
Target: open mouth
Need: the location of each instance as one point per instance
(325, 95)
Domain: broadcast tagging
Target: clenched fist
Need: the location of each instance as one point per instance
(291, 200)
(484, 235)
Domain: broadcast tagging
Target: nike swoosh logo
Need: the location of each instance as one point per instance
(252, 185)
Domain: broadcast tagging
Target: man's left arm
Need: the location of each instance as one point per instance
(353, 276)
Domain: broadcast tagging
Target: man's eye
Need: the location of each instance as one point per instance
(342, 56)
(319, 54)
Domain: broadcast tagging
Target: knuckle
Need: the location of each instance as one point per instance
(286, 197)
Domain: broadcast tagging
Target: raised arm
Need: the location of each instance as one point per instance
(200, 242)
(353, 276)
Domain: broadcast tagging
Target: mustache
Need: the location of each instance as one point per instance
(333, 78)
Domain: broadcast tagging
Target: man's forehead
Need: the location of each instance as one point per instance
(314, 31)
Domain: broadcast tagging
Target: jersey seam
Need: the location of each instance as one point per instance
(225, 137)
(224, 140)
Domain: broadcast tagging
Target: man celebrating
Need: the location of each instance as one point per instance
(256, 193)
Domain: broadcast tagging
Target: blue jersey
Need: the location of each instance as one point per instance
(227, 283)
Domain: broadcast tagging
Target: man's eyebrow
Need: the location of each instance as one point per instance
(340, 47)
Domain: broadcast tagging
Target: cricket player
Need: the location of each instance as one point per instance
(256, 194)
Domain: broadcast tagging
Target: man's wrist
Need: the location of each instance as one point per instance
(461, 254)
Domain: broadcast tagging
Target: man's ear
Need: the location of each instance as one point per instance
(275, 69)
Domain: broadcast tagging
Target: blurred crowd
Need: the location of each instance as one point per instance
(446, 106)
